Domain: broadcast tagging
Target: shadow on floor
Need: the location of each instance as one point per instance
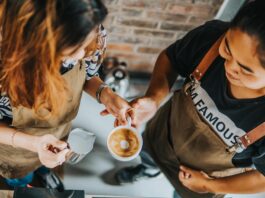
(109, 177)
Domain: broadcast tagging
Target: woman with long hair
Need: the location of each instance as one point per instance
(50, 52)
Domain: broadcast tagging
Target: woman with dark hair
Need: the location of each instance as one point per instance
(209, 138)
(51, 51)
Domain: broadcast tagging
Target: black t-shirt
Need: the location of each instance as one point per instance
(229, 117)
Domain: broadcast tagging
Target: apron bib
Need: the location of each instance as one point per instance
(17, 162)
(179, 135)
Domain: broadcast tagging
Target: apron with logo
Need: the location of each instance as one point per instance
(17, 162)
(179, 135)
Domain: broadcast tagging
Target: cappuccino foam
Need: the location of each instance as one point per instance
(124, 142)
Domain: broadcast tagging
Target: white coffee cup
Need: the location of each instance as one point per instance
(81, 142)
(125, 144)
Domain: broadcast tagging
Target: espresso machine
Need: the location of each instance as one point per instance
(115, 75)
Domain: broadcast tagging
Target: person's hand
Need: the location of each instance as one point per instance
(116, 106)
(194, 180)
(51, 151)
(144, 109)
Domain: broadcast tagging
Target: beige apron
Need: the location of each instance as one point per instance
(17, 162)
(179, 135)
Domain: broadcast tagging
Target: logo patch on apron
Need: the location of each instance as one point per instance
(220, 123)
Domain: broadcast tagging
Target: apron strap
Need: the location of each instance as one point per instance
(207, 60)
(253, 135)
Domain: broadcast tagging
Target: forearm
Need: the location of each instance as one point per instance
(91, 86)
(246, 183)
(13, 137)
(162, 79)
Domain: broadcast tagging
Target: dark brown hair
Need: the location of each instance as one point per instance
(251, 20)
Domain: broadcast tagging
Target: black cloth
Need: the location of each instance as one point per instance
(246, 114)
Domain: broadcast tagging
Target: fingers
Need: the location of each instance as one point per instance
(136, 103)
(184, 175)
(205, 175)
(122, 117)
(131, 113)
(116, 123)
(61, 145)
(56, 146)
(52, 160)
(184, 168)
(61, 156)
(187, 175)
(51, 143)
(121, 110)
(181, 175)
(52, 151)
(104, 112)
(185, 172)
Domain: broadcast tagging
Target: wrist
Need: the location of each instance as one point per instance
(25, 141)
(106, 95)
(100, 91)
(209, 185)
(35, 143)
(13, 143)
(154, 98)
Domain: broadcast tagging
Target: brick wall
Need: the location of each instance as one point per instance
(139, 29)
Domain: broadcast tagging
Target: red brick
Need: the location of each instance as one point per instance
(148, 50)
(137, 23)
(180, 35)
(161, 43)
(109, 2)
(108, 21)
(151, 33)
(128, 56)
(162, 16)
(184, 2)
(144, 4)
(114, 29)
(144, 66)
(217, 3)
(120, 47)
(139, 29)
(196, 20)
(135, 63)
(176, 27)
(113, 10)
(131, 12)
(126, 38)
(193, 10)
(208, 2)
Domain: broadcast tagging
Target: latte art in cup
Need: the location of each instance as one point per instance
(123, 142)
